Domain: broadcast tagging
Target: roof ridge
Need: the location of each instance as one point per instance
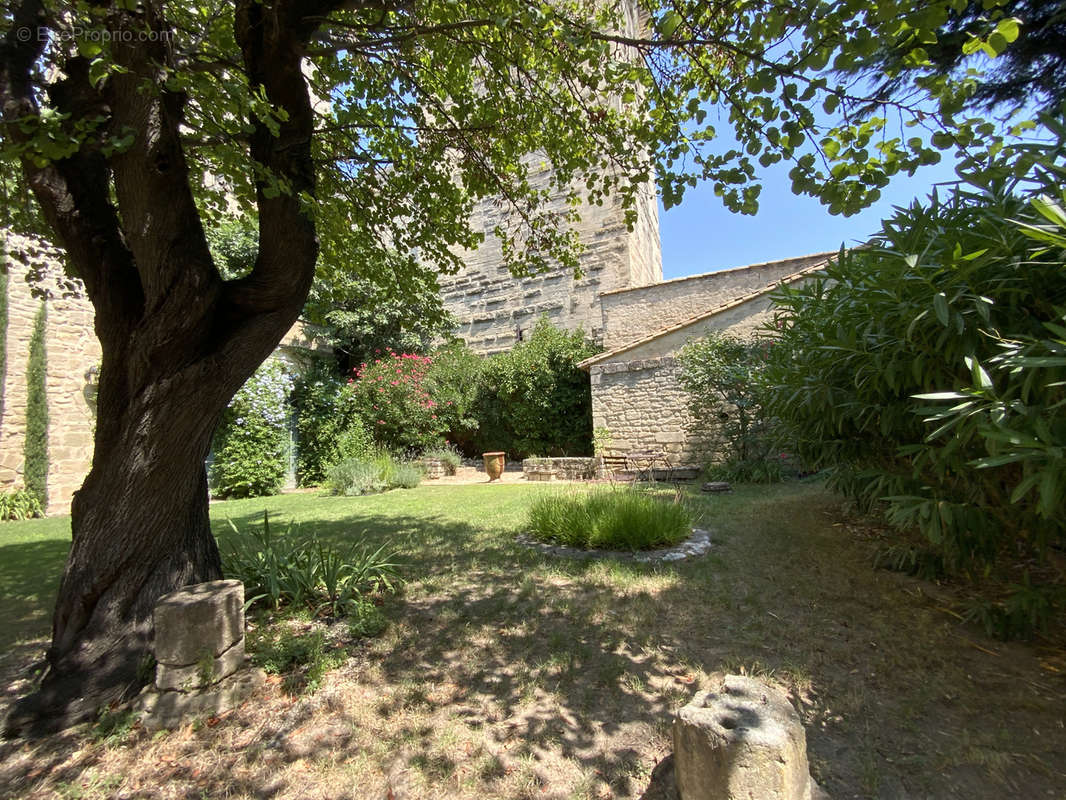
(822, 255)
(736, 301)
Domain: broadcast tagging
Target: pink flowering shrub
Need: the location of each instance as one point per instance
(393, 395)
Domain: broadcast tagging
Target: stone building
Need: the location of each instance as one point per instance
(636, 395)
(495, 309)
(72, 360)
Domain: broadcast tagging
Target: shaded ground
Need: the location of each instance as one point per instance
(508, 674)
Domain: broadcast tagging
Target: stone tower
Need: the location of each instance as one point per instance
(495, 309)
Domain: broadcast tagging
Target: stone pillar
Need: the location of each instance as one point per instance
(199, 651)
(743, 741)
(199, 635)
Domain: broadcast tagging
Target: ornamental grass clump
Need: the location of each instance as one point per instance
(295, 571)
(378, 471)
(610, 519)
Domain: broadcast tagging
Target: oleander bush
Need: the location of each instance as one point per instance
(394, 398)
(610, 519)
(927, 373)
(250, 448)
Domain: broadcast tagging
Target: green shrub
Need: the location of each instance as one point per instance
(927, 372)
(723, 377)
(455, 380)
(610, 519)
(355, 476)
(35, 446)
(328, 429)
(250, 452)
(374, 472)
(297, 571)
(366, 620)
(19, 504)
(535, 399)
(354, 441)
(407, 475)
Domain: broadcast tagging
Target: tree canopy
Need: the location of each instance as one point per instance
(366, 131)
(420, 110)
(1032, 70)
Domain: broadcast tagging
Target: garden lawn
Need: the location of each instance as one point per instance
(509, 674)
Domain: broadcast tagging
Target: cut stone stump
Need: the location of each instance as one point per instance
(170, 709)
(716, 487)
(199, 634)
(199, 650)
(742, 742)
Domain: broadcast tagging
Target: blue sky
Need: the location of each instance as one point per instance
(700, 235)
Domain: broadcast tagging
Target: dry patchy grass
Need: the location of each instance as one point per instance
(508, 674)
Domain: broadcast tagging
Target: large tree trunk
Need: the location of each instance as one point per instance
(140, 529)
(177, 341)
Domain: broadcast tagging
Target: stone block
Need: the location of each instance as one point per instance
(200, 675)
(716, 487)
(162, 710)
(741, 742)
(207, 618)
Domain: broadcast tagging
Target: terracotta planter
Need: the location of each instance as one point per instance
(493, 464)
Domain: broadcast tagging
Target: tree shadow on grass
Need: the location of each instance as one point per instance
(542, 689)
(29, 578)
(560, 669)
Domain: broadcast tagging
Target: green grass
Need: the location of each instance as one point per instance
(610, 519)
(427, 524)
(503, 672)
(32, 554)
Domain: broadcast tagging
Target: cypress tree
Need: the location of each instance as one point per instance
(35, 470)
(3, 334)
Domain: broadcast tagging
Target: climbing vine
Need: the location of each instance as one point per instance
(35, 471)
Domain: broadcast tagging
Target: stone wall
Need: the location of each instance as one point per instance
(637, 397)
(72, 358)
(630, 313)
(743, 320)
(642, 405)
(494, 308)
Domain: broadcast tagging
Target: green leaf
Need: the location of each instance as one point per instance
(669, 24)
(940, 307)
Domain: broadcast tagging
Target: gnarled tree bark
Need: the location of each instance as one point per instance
(177, 340)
